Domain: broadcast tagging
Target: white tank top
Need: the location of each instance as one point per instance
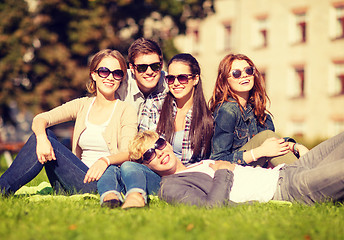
(92, 142)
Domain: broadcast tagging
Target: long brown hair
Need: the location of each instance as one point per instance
(222, 91)
(201, 127)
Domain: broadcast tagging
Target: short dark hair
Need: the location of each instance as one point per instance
(143, 46)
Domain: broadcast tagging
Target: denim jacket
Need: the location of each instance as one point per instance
(233, 129)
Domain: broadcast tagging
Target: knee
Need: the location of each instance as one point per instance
(268, 134)
(51, 134)
(112, 169)
(129, 166)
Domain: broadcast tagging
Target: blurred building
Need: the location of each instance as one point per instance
(298, 45)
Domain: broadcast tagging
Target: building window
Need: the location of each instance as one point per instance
(227, 36)
(224, 41)
(299, 27)
(194, 38)
(195, 34)
(261, 32)
(337, 21)
(336, 83)
(296, 82)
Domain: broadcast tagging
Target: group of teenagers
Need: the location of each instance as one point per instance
(145, 131)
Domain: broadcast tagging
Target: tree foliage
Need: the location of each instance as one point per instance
(45, 45)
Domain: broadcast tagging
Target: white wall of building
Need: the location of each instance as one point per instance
(237, 26)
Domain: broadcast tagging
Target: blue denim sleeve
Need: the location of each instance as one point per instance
(269, 123)
(225, 119)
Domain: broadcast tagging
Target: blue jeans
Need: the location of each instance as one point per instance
(317, 177)
(110, 182)
(66, 173)
(139, 178)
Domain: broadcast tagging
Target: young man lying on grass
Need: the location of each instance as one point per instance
(317, 177)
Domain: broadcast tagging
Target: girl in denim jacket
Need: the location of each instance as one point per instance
(243, 128)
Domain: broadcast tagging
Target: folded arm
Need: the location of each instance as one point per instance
(197, 188)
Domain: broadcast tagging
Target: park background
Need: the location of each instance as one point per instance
(298, 45)
(45, 46)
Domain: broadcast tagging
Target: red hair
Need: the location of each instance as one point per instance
(222, 91)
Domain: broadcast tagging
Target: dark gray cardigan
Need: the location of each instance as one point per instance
(197, 188)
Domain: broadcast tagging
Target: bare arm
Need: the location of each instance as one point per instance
(297, 147)
(271, 147)
(99, 167)
(44, 150)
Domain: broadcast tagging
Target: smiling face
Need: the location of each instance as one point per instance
(107, 86)
(180, 91)
(165, 162)
(245, 82)
(146, 81)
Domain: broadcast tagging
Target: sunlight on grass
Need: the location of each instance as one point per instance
(58, 217)
(21, 218)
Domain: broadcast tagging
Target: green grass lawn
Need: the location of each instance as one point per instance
(21, 218)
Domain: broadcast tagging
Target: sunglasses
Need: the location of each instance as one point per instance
(236, 73)
(141, 68)
(182, 78)
(104, 72)
(150, 154)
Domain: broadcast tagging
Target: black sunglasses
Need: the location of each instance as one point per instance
(236, 73)
(104, 72)
(150, 154)
(141, 68)
(182, 78)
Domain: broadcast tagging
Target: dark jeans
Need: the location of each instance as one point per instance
(317, 177)
(66, 173)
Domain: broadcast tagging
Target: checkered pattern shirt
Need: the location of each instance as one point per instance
(149, 119)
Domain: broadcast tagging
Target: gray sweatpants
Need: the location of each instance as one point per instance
(318, 176)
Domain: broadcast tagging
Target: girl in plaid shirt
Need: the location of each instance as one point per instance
(181, 116)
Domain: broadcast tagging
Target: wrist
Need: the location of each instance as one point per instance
(295, 150)
(253, 156)
(41, 136)
(257, 153)
(106, 160)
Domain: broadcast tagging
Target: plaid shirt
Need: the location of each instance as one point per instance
(150, 117)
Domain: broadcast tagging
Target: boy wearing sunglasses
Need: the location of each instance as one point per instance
(181, 116)
(316, 177)
(145, 77)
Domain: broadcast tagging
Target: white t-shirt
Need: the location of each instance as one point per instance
(250, 184)
(92, 142)
(254, 184)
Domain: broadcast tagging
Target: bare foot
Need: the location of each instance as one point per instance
(134, 200)
(111, 201)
